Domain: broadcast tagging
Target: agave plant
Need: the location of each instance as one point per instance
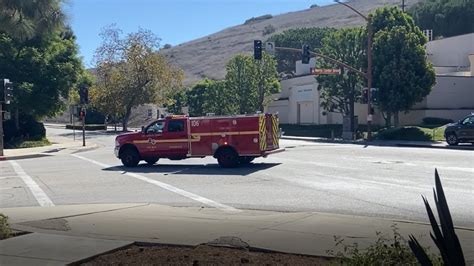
(445, 238)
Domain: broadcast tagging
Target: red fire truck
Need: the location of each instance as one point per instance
(233, 140)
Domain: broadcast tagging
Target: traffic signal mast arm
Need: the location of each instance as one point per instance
(339, 63)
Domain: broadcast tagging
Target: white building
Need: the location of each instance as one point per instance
(452, 97)
(299, 101)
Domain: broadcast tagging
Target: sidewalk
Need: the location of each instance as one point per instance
(59, 144)
(121, 224)
(390, 143)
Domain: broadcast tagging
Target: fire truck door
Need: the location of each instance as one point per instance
(148, 143)
(174, 143)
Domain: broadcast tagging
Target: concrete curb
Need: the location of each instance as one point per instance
(379, 143)
(464, 148)
(50, 152)
(25, 156)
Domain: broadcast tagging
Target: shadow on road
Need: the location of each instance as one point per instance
(194, 169)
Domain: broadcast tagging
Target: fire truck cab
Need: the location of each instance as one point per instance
(232, 140)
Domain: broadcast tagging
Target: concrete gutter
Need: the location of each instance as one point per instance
(389, 143)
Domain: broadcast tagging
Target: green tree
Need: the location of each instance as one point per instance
(445, 17)
(240, 81)
(251, 82)
(44, 70)
(140, 74)
(23, 20)
(295, 38)
(176, 102)
(206, 96)
(267, 80)
(105, 93)
(401, 71)
(339, 92)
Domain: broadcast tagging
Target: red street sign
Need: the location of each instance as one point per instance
(322, 71)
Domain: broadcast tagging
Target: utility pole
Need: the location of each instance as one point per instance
(369, 79)
(403, 5)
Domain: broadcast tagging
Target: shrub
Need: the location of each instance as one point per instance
(269, 29)
(322, 131)
(5, 231)
(387, 250)
(167, 46)
(436, 121)
(94, 117)
(257, 19)
(404, 133)
(314, 6)
(30, 129)
(87, 127)
(18, 143)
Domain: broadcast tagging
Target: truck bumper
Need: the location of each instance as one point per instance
(266, 153)
(116, 152)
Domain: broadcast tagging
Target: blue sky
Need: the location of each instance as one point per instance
(174, 21)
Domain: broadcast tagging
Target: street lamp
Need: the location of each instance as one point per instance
(368, 75)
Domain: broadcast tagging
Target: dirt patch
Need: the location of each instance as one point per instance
(201, 255)
(49, 224)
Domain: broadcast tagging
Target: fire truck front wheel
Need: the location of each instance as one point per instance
(227, 158)
(130, 157)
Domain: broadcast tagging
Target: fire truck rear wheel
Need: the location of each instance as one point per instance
(228, 158)
(246, 159)
(151, 161)
(130, 157)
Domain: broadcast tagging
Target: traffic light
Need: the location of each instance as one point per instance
(84, 95)
(7, 91)
(365, 95)
(305, 55)
(257, 50)
(374, 95)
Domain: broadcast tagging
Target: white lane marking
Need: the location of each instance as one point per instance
(168, 187)
(38, 193)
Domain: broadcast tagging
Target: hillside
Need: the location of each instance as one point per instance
(207, 56)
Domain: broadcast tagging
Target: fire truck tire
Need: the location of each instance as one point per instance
(228, 158)
(130, 157)
(151, 161)
(246, 159)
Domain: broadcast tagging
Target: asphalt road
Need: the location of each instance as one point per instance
(335, 178)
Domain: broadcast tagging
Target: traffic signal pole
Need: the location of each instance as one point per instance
(83, 115)
(1, 128)
(368, 76)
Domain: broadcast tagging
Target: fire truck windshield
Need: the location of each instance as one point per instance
(156, 127)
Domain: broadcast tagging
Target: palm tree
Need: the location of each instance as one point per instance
(24, 19)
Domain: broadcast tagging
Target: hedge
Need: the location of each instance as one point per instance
(87, 127)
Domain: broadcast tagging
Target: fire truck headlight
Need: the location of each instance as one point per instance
(255, 140)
